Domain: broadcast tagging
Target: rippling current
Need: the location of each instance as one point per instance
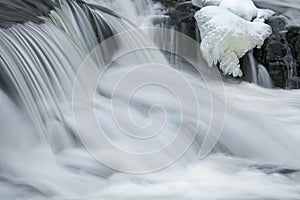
(42, 156)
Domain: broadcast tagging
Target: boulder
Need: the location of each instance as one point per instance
(293, 38)
(280, 53)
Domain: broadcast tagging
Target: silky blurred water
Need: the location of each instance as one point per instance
(288, 8)
(256, 158)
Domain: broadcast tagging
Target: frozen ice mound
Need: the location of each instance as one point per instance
(203, 3)
(243, 8)
(227, 37)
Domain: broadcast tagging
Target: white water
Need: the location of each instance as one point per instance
(41, 157)
(253, 67)
(136, 11)
(288, 8)
(257, 73)
(264, 78)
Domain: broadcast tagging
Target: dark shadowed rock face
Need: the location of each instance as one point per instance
(293, 38)
(273, 52)
(281, 54)
(20, 11)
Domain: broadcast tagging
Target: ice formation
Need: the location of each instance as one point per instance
(227, 32)
(243, 8)
(227, 37)
(203, 3)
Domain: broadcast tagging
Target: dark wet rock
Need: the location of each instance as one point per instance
(271, 169)
(278, 23)
(281, 53)
(293, 38)
(278, 73)
(272, 53)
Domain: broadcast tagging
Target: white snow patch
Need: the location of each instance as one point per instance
(243, 8)
(227, 37)
(246, 9)
(203, 3)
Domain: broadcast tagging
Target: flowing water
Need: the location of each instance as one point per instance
(42, 156)
(287, 8)
(257, 73)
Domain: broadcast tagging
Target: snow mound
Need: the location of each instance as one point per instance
(264, 14)
(246, 9)
(243, 8)
(203, 3)
(227, 37)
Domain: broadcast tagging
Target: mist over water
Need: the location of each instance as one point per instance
(43, 151)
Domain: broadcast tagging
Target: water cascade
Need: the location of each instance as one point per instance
(255, 72)
(43, 157)
(264, 78)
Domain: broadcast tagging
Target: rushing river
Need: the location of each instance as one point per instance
(47, 150)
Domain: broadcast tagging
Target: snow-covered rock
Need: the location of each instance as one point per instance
(227, 37)
(243, 8)
(246, 9)
(203, 3)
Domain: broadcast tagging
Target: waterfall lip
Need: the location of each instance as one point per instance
(110, 12)
(21, 11)
(104, 10)
(15, 12)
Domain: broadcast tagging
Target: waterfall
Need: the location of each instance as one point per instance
(43, 155)
(253, 67)
(264, 78)
(135, 11)
(39, 62)
(256, 73)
